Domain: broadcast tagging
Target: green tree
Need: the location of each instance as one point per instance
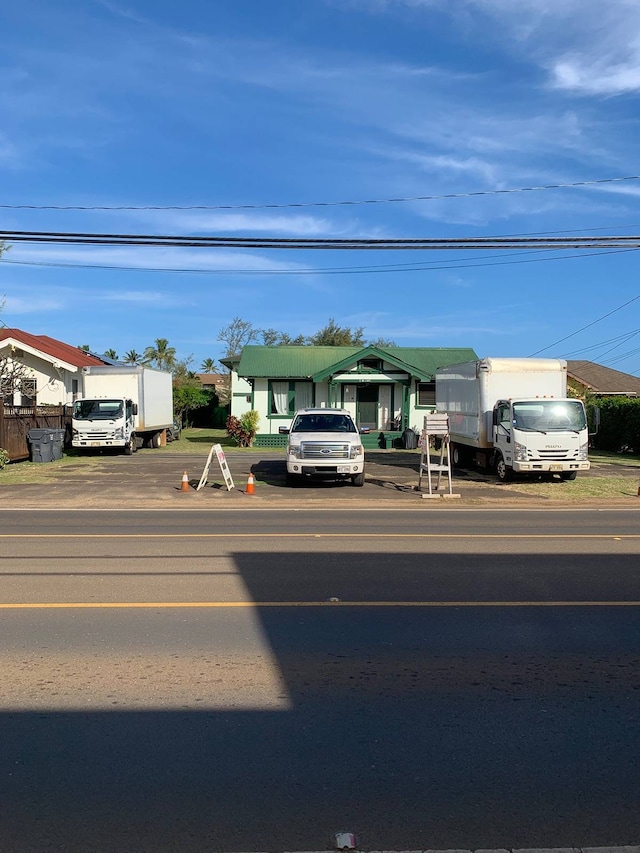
(111, 353)
(188, 392)
(84, 347)
(274, 338)
(237, 335)
(132, 357)
(208, 366)
(333, 335)
(382, 342)
(161, 354)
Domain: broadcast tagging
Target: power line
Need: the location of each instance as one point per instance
(404, 199)
(297, 243)
(377, 269)
(588, 326)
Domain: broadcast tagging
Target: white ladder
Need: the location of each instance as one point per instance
(435, 424)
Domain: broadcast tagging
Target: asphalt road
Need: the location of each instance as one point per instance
(203, 680)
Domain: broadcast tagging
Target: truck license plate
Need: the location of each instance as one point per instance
(95, 444)
(555, 467)
(343, 469)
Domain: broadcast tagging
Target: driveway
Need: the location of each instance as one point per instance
(152, 478)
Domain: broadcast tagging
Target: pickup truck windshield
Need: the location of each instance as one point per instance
(323, 423)
(549, 415)
(95, 410)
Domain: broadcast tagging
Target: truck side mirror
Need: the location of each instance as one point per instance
(283, 430)
(596, 420)
(134, 408)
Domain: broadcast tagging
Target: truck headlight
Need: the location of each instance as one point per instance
(118, 433)
(520, 452)
(355, 450)
(294, 450)
(583, 452)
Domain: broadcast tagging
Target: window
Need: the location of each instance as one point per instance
(426, 394)
(288, 397)
(371, 364)
(28, 392)
(6, 390)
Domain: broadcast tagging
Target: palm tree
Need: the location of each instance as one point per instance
(132, 357)
(163, 355)
(208, 366)
(111, 353)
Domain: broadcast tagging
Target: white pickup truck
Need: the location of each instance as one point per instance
(324, 443)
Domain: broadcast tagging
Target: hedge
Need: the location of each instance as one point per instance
(619, 424)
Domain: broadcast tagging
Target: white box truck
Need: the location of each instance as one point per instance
(125, 406)
(514, 414)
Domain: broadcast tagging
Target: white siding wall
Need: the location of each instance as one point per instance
(53, 387)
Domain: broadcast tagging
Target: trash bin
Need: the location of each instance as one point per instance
(58, 442)
(409, 439)
(46, 444)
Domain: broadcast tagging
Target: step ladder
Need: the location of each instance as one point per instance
(435, 425)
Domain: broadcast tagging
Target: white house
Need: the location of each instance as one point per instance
(53, 369)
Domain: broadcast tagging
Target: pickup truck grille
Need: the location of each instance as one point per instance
(324, 450)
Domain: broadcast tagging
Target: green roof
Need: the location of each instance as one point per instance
(305, 362)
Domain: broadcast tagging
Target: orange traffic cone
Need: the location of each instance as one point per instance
(250, 489)
(184, 485)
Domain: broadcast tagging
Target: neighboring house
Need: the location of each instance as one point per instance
(587, 377)
(384, 388)
(218, 382)
(54, 369)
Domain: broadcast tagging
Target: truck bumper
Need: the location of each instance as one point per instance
(545, 467)
(346, 469)
(98, 442)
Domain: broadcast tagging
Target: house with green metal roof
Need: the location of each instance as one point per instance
(385, 389)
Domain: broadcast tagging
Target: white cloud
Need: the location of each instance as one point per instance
(155, 258)
(35, 304)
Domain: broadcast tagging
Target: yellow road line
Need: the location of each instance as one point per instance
(132, 605)
(310, 535)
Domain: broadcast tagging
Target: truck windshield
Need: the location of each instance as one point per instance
(94, 410)
(323, 423)
(549, 415)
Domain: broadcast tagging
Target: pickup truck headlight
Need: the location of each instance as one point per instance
(355, 450)
(583, 452)
(294, 450)
(520, 452)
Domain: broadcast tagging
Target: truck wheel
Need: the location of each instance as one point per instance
(130, 447)
(503, 472)
(358, 479)
(568, 475)
(458, 456)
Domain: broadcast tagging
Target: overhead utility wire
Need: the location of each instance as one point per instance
(321, 203)
(588, 326)
(377, 269)
(420, 243)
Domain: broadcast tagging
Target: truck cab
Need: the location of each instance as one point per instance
(324, 443)
(540, 435)
(104, 422)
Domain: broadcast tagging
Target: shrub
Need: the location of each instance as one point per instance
(619, 424)
(4, 458)
(243, 430)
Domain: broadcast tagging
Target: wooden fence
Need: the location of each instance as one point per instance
(16, 421)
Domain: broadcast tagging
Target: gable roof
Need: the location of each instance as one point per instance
(318, 363)
(49, 349)
(603, 380)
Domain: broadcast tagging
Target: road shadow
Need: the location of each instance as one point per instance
(414, 727)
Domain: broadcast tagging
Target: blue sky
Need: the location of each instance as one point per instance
(142, 103)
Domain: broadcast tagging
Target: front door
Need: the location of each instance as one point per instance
(367, 406)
